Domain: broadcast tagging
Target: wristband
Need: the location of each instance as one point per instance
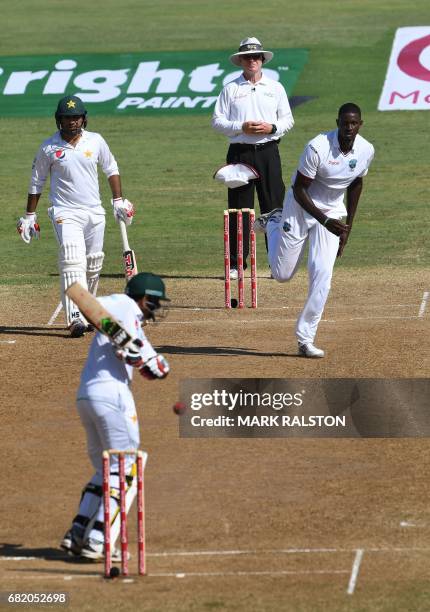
(327, 219)
(274, 129)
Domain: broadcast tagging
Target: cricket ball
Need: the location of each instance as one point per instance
(179, 408)
(114, 572)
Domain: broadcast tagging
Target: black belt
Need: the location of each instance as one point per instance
(254, 147)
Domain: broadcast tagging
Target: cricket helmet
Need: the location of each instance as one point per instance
(70, 106)
(146, 283)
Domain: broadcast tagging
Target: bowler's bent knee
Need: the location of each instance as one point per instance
(281, 275)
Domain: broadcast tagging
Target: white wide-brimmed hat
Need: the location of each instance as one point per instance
(236, 175)
(250, 46)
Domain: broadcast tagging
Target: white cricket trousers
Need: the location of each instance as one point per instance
(83, 227)
(110, 421)
(287, 240)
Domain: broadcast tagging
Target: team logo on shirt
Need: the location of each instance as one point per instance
(88, 153)
(60, 154)
(352, 164)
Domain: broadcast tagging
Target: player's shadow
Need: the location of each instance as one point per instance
(33, 331)
(18, 551)
(218, 351)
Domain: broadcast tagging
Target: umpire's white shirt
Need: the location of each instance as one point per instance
(240, 101)
(333, 171)
(73, 169)
(103, 373)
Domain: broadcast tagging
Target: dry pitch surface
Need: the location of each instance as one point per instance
(274, 524)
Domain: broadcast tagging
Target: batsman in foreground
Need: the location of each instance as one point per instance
(108, 412)
(331, 165)
(71, 157)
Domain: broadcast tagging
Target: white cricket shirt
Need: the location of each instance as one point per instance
(103, 366)
(73, 169)
(241, 101)
(332, 170)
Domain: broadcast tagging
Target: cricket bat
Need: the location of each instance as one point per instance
(128, 256)
(101, 318)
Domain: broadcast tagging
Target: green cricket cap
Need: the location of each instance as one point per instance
(70, 105)
(146, 283)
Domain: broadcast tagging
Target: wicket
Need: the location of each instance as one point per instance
(252, 245)
(140, 466)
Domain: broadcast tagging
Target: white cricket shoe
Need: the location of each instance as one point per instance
(260, 224)
(72, 541)
(94, 551)
(234, 274)
(309, 350)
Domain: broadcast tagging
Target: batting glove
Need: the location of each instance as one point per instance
(28, 227)
(130, 357)
(156, 367)
(123, 210)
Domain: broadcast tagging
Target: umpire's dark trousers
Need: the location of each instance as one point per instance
(270, 187)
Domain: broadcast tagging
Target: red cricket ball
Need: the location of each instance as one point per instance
(179, 408)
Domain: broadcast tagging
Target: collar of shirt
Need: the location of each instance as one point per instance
(63, 143)
(337, 145)
(263, 81)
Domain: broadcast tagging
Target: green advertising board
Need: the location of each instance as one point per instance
(132, 83)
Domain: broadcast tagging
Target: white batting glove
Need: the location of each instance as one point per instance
(156, 367)
(28, 227)
(123, 210)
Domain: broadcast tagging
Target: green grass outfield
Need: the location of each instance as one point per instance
(167, 162)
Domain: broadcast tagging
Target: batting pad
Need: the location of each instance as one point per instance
(94, 267)
(73, 268)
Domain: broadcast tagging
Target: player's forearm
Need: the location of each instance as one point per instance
(304, 200)
(32, 201)
(115, 185)
(353, 194)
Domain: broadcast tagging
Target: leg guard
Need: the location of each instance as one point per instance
(96, 531)
(89, 506)
(94, 267)
(72, 265)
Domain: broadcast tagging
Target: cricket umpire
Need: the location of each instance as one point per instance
(254, 113)
(71, 157)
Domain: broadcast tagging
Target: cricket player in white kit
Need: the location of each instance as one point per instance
(71, 157)
(108, 412)
(331, 165)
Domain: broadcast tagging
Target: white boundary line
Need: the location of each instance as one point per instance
(55, 314)
(354, 571)
(423, 306)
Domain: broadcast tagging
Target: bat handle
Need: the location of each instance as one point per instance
(122, 227)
